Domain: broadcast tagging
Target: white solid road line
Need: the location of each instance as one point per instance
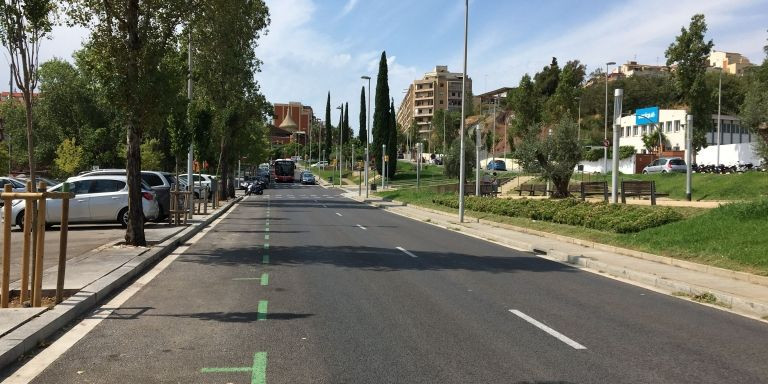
(338, 214)
(361, 227)
(406, 252)
(547, 329)
(47, 356)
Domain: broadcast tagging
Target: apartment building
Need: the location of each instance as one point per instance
(731, 62)
(437, 90)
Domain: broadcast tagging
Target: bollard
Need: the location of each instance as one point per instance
(63, 244)
(37, 298)
(24, 296)
(205, 202)
(6, 248)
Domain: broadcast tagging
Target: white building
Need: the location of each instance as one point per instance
(672, 123)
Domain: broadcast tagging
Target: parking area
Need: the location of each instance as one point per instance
(81, 240)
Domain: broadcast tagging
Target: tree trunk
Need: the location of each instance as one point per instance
(134, 234)
(561, 186)
(30, 138)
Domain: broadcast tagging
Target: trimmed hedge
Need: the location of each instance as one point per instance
(602, 216)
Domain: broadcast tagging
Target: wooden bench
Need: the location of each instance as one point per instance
(595, 188)
(486, 189)
(639, 188)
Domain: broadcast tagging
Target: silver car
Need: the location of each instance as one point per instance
(98, 199)
(16, 186)
(666, 165)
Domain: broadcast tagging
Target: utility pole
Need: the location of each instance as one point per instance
(618, 95)
(463, 107)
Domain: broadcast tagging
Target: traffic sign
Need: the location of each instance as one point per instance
(606, 143)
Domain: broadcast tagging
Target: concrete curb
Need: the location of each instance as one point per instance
(29, 335)
(724, 300)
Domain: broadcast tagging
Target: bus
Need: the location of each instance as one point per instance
(284, 170)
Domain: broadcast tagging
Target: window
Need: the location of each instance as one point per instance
(669, 126)
(105, 186)
(81, 187)
(152, 179)
(677, 125)
(634, 130)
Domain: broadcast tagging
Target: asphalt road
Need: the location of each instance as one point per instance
(336, 301)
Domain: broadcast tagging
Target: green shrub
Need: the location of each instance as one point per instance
(600, 216)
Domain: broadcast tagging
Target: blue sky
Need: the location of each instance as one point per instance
(316, 46)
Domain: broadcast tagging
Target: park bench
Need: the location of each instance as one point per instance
(594, 188)
(531, 189)
(639, 189)
(486, 189)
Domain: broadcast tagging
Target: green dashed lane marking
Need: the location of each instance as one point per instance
(265, 259)
(265, 279)
(266, 245)
(266, 237)
(258, 369)
(262, 311)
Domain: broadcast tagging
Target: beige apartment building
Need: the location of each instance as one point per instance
(730, 62)
(438, 90)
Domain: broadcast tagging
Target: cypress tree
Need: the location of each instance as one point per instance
(392, 142)
(381, 113)
(327, 144)
(347, 131)
(363, 129)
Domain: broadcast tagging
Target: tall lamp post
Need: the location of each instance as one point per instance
(578, 131)
(367, 131)
(463, 105)
(341, 139)
(719, 99)
(618, 98)
(605, 134)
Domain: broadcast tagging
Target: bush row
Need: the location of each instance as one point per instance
(602, 216)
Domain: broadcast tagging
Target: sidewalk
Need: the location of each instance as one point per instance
(92, 276)
(739, 292)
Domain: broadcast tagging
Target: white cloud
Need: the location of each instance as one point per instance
(348, 7)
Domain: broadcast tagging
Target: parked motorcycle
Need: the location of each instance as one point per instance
(255, 188)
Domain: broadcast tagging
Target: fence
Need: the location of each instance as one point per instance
(34, 242)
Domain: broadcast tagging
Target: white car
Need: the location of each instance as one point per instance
(98, 199)
(16, 186)
(320, 164)
(200, 182)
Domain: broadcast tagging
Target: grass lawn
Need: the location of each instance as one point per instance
(705, 186)
(329, 172)
(732, 236)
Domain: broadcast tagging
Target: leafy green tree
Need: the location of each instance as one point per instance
(690, 52)
(328, 144)
(568, 88)
(453, 161)
(151, 155)
(363, 129)
(128, 41)
(547, 79)
(381, 123)
(524, 102)
(555, 155)
(69, 158)
(24, 24)
(347, 132)
(4, 160)
(754, 110)
(656, 141)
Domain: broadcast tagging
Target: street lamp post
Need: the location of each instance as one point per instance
(477, 160)
(688, 155)
(719, 99)
(578, 131)
(367, 132)
(383, 165)
(618, 96)
(605, 134)
(341, 140)
(463, 105)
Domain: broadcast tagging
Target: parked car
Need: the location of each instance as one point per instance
(666, 165)
(98, 199)
(307, 178)
(320, 164)
(16, 186)
(200, 182)
(160, 182)
(496, 165)
(49, 182)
